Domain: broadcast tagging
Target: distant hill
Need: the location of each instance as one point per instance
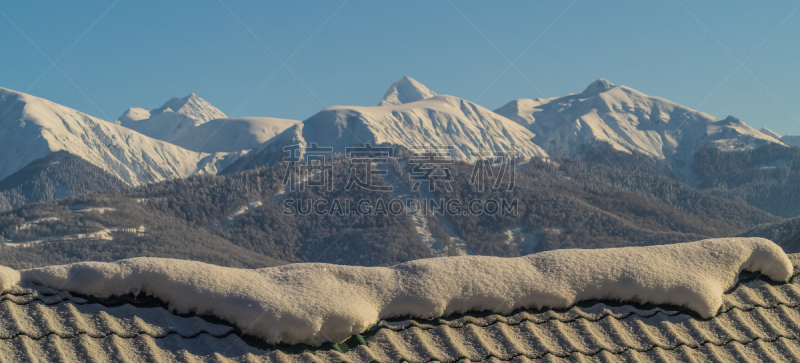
(105, 228)
(56, 176)
(785, 233)
(647, 177)
(767, 178)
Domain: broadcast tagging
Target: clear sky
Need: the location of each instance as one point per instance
(114, 55)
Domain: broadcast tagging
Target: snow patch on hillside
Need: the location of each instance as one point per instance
(243, 211)
(105, 234)
(82, 208)
(28, 225)
(526, 239)
(315, 303)
(231, 134)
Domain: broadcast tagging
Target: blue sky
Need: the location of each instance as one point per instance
(141, 53)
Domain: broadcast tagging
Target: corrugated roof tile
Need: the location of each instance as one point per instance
(759, 320)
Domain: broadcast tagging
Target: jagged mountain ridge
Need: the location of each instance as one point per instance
(629, 121)
(411, 115)
(191, 106)
(437, 121)
(194, 124)
(31, 128)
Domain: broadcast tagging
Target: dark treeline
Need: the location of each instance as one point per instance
(55, 176)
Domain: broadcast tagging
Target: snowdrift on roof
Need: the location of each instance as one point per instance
(8, 278)
(315, 303)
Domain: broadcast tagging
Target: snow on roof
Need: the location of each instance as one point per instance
(315, 303)
(759, 321)
(8, 278)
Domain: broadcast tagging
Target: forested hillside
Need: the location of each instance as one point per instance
(785, 233)
(242, 219)
(767, 178)
(643, 176)
(107, 228)
(55, 176)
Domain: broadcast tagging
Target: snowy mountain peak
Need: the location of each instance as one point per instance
(629, 121)
(192, 106)
(33, 128)
(406, 90)
(599, 85)
(771, 133)
(192, 123)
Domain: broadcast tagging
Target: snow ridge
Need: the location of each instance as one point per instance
(628, 121)
(315, 303)
(439, 120)
(194, 124)
(770, 133)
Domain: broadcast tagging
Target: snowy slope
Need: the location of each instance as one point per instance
(32, 127)
(231, 134)
(630, 121)
(172, 118)
(790, 140)
(314, 303)
(269, 152)
(405, 90)
(193, 123)
(440, 120)
(770, 133)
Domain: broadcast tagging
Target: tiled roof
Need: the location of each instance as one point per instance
(760, 321)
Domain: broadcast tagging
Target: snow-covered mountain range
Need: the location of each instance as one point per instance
(188, 135)
(410, 115)
(32, 128)
(629, 121)
(193, 123)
